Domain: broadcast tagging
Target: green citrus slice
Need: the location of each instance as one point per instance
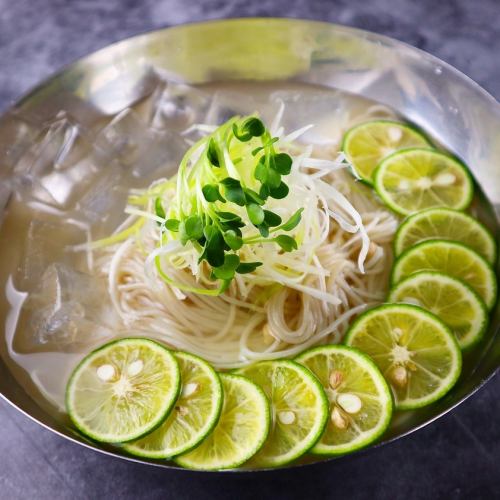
(240, 432)
(450, 258)
(194, 416)
(445, 224)
(365, 145)
(299, 410)
(451, 300)
(123, 390)
(415, 351)
(360, 400)
(415, 179)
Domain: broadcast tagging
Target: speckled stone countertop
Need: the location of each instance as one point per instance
(456, 457)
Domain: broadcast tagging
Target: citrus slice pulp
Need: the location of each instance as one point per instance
(454, 259)
(299, 409)
(360, 401)
(195, 414)
(366, 144)
(445, 224)
(415, 179)
(415, 351)
(240, 432)
(123, 390)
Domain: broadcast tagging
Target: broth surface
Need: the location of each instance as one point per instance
(70, 186)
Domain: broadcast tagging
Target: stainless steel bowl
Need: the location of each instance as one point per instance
(454, 109)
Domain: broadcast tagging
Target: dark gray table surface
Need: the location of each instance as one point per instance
(456, 457)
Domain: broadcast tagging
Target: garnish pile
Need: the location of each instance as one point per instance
(222, 188)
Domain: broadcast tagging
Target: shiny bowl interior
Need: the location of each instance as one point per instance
(452, 108)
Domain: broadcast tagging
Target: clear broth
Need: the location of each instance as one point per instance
(61, 197)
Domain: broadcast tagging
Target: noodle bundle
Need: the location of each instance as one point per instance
(294, 300)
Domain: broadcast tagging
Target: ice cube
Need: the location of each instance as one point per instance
(121, 138)
(121, 87)
(67, 307)
(45, 242)
(329, 112)
(30, 190)
(56, 325)
(102, 204)
(142, 150)
(54, 162)
(227, 103)
(67, 186)
(60, 144)
(76, 109)
(160, 156)
(176, 106)
(58, 164)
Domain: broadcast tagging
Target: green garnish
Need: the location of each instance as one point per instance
(172, 225)
(223, 184)
(293, 221)
(251, 127)
(233, 191)
(287, 243)
(160, 211)
(191, 228)
(213, 153)
(271, 219)
(211, 193)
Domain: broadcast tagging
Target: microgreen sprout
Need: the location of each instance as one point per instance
(224, 182)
